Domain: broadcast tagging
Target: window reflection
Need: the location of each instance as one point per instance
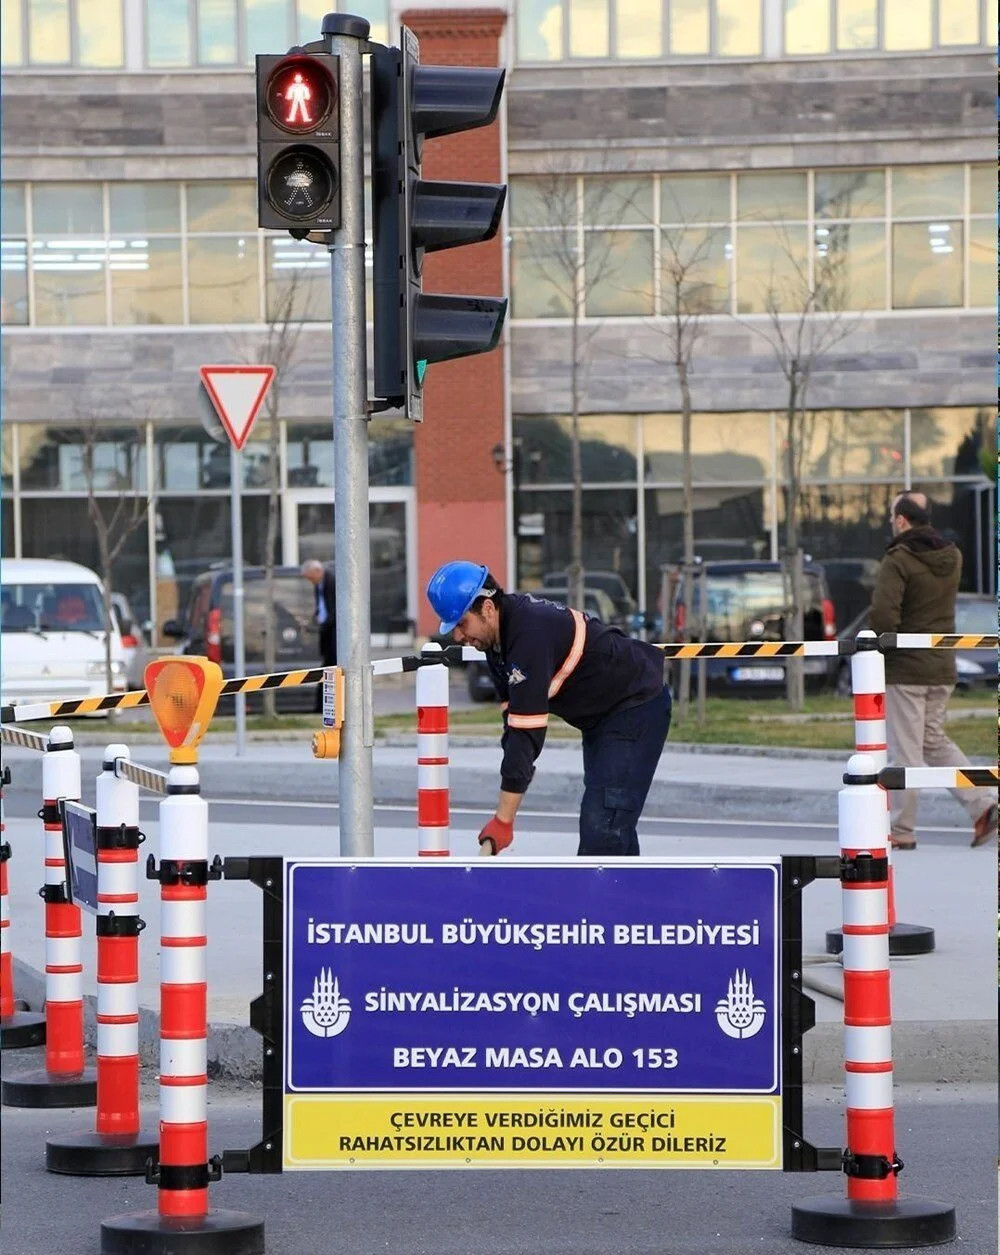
(857, 25)
(49, 40)
(298, 281)
(725, 448)
(144, 208)
(690, 27)
(267, 24)
(99, 33)
(539, 30)
(849, 193)
(619, 273)
(851, 444)
(843, 520)
(694, 267)
(945, 442)
(69, 279)
(926, 264)
(983, 190)
(694, 198)
(607, 448)
(588, 28)
(609, 534)
(221, 206)
(771, 197)
(737, 25)
(729, 522)
(217, 43)
(850, 265)
(146, 282)
(67, 209)
(168, 33)
(639, 28)
(983, 262)
(958, 22)
(11, 46)
(57, 457)
(807, 27)
(610, 202)
(920, 191)
(906, 25)
(223, 279)
(14, 282)
(772, 269)
(541, 276)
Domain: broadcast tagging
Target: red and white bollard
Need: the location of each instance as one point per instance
(115, 1148)
(17, 1028)
(433, 809)
(64, 1082)
(872, 1214)
(183, 1172)
(868, 689)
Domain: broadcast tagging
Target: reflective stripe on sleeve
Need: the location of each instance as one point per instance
(527, 721)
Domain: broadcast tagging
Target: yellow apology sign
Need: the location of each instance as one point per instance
(560, 1130)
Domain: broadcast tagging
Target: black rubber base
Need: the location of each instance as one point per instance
(832, 1220)
(49, 1089)
(101, 1154)
(149, 1233)
(23, 1028)
(903, 939)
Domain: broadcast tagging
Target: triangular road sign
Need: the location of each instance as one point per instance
(237, 392)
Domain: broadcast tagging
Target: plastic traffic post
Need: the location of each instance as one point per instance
(872, 1215)
(868, 690)
(433, 811)
(64, 1082)
(18, 1028)
(116, 1147)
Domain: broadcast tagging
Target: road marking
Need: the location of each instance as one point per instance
(527, 814)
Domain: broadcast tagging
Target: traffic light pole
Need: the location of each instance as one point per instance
(344, 35)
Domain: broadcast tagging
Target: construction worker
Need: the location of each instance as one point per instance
(548, 659)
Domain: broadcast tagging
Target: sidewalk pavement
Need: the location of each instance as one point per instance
(944, 1003)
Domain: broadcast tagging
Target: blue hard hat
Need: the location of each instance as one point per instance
(453, 588)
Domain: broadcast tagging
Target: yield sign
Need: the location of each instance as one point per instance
(237, 393)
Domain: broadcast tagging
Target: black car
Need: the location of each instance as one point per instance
(748, 601)
(206, 627)
(975, 614)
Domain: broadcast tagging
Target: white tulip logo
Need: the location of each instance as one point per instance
(740, 1014)
(326, 1013)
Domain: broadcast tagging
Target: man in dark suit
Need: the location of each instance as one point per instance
(326, 615)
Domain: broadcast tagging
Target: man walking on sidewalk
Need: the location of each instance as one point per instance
(325, 591)
(915, 592)
(545, 658)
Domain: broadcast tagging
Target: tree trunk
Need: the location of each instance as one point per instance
(687, 507)
(794, 673)
(575, 578)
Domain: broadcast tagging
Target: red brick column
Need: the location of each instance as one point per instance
(460, 493)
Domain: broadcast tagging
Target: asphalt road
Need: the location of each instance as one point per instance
(946, 1136)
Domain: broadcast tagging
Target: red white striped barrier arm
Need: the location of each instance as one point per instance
(63, 925)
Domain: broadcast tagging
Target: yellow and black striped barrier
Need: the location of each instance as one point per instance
(757, 649)
(939, 777)
(25, 740)
(937, 640)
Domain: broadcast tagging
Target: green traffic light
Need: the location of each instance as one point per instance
(421, 371)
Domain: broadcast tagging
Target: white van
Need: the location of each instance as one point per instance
(52, 633)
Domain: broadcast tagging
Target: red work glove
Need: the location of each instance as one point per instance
(495, 836)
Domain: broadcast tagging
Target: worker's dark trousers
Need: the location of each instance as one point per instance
(619, 759)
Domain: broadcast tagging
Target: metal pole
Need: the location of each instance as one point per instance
(239, 651)
(343, 34)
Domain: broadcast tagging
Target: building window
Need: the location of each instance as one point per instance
(84, 33)
(232, 32)
(818, 27)
(906, 237)
(557, 30)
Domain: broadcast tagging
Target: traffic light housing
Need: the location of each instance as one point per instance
(298, 142)
(413, 216)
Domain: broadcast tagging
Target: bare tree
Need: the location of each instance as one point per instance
(805, 306)
(117, 515)
(573, 263)
(289, 309)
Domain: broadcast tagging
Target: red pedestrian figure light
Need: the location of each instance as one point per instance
(298, 94)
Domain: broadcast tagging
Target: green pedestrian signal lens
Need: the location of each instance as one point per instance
(421, 371)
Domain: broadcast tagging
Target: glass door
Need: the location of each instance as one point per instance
(309, 531)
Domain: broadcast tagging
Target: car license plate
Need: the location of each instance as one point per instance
(758, 673)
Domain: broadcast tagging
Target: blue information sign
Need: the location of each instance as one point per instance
(80, 854)
(642, 976)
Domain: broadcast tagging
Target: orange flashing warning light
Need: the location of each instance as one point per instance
(183, 693)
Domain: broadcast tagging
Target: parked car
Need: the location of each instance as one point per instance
(54, 635)
(596, 603)
(206, 626)
(850, 581)
(135, 644)
(748, 601)
(975, 614)
(610, 582)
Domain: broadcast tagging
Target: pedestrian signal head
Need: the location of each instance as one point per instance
(453, 588)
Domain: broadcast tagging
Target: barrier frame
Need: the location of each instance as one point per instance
(798, 1014)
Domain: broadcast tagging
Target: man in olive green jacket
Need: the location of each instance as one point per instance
(915, 592)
